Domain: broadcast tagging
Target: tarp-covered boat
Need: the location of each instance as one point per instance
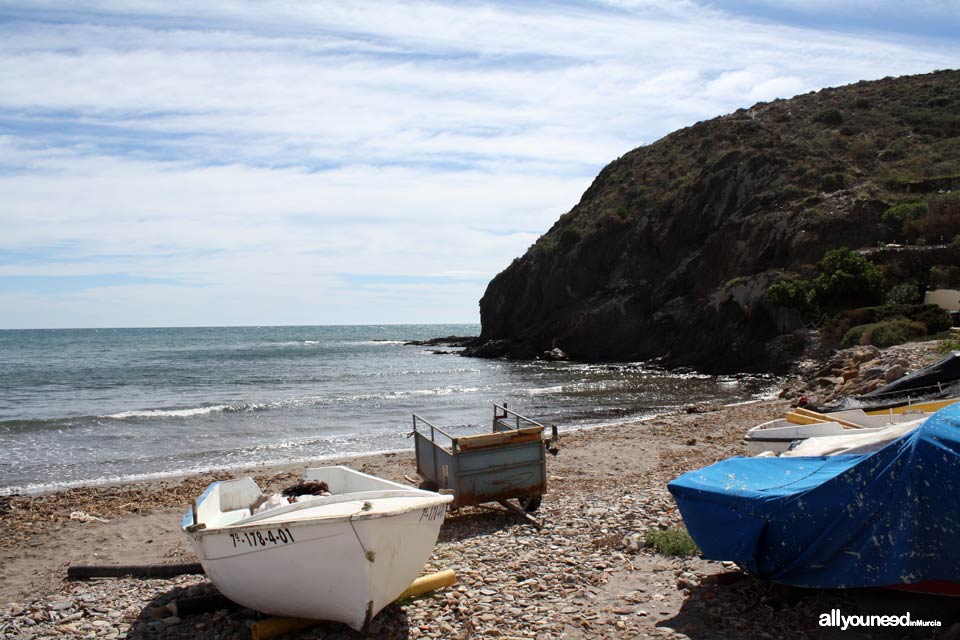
(939, 380)
(884, 518)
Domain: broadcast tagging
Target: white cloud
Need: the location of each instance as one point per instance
(262, 149)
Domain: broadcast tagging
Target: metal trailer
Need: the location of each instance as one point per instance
(509, 462)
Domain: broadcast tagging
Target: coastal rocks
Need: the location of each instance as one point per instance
(858, 370)
(555, 355)
(499, 349)
(895, 372)
(447, 341)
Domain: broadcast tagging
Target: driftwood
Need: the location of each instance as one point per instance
(85, 571)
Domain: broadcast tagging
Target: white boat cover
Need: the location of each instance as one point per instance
(852, 443)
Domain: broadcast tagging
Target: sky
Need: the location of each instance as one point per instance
(214, 163)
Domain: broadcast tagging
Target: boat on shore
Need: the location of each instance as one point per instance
(342, 556)
(938, 381)
(800, 424)
(889, 517)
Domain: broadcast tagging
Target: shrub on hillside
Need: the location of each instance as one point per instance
(904, 293)
(846, 279)
(933, 317)
(834, 331)
(831, 182)
(884, 334)
(898, 214)
(948, 345)
(829, 117)
(940, 223)
(945, 276)
(795, 294)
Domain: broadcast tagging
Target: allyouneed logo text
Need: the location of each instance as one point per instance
(836, 619)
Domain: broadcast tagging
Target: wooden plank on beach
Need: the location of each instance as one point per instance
(86, 571)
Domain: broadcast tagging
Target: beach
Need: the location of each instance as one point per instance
(575, 578)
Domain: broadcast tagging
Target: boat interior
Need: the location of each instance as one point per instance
(233, 502)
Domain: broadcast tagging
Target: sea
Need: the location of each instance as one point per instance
(93, 406)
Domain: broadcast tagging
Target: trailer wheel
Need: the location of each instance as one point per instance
(428, 485)
(530, 503)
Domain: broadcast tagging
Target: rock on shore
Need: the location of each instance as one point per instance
(858, 370)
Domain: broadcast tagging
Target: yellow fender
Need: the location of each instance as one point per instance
(272, 627)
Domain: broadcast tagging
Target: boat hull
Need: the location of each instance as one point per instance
(341, 558)
(346, 571)
(778, 435)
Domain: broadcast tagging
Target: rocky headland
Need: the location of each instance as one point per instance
(670, 252)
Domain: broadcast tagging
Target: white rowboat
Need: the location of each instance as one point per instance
(342, 557)
(778, 435)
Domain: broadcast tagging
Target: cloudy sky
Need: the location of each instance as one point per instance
(172, 163)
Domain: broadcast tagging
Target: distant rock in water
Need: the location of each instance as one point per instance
(670, 251)
(448, 341)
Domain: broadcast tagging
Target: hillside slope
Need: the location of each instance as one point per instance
(669, 252)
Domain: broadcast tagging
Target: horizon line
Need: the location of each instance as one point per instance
(246, 326)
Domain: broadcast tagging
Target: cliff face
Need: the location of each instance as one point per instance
(669, 252)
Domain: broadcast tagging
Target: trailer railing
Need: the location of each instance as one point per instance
(505, 419)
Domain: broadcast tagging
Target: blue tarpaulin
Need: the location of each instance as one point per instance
(883, 518)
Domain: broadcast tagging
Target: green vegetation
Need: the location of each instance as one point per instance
(884, 334)
(670, 542)
(795, 294)
(940, 223)
(905, 293)
(832, 182)
(898, 214)
(829, 117)
(883, 325)
(845, 280)
(950, 344)
(945, 276)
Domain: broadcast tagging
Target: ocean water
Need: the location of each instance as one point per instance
(88, 406)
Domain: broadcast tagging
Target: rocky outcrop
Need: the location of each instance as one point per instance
(856, 371)
(669, 253)
(445, 341)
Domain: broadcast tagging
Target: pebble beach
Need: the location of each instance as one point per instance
(585, 574)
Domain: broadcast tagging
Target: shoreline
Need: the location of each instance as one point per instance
(51, 510)
(159, 477)
(577, 578)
